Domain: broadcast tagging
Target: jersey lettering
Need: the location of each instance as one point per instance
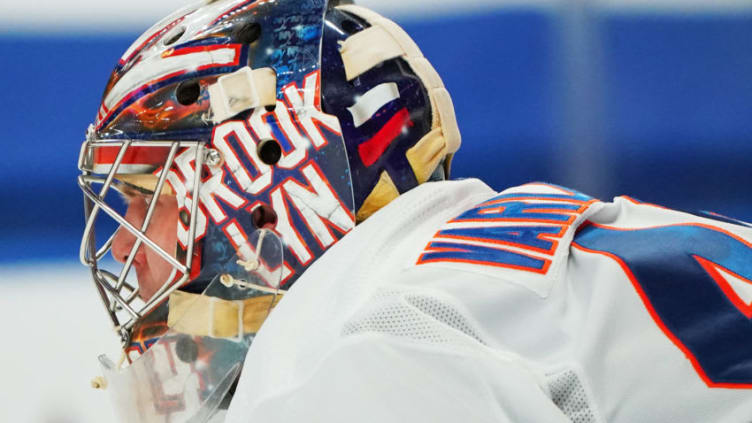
(514, 230)
(536, 238)
(479, 254)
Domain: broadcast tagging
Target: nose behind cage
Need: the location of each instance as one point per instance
(118, 295)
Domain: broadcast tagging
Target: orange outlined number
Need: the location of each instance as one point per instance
(692, 279)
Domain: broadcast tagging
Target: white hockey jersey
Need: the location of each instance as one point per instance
(538, 304)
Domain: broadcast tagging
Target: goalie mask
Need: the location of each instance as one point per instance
(233, 119)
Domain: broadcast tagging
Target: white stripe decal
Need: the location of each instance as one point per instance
(154, 31)
(156, 67)
(370, 103)
(103, 169)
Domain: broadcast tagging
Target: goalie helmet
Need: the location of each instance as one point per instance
(299, 118)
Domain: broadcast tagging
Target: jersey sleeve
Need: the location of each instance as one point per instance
(379, 378)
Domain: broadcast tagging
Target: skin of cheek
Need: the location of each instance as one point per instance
(162, 230)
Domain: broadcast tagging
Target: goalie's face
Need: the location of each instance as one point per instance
(152, 270)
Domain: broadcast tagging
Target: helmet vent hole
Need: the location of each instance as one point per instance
(188, 92)
(264, 216)
(350, 26)
(269, 151)
(270, 108)
(186, 349)
(184, 217)
(175, 37)
(248, 33)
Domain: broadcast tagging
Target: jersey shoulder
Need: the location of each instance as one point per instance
(524, 234)
(521, 234)
(693, 273)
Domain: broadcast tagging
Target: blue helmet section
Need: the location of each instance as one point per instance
(412, 110)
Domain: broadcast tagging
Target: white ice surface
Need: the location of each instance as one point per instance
(53, 329)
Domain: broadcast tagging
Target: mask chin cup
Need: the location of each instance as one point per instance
(186, 373)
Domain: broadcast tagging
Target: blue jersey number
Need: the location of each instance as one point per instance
(681, 273)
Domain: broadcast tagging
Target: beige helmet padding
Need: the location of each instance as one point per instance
(242, 90)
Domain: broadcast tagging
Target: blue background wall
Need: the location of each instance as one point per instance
(656, 105)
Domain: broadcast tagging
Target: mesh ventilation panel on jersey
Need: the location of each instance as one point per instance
(568, 393)
(418, 317)
(443, 313)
